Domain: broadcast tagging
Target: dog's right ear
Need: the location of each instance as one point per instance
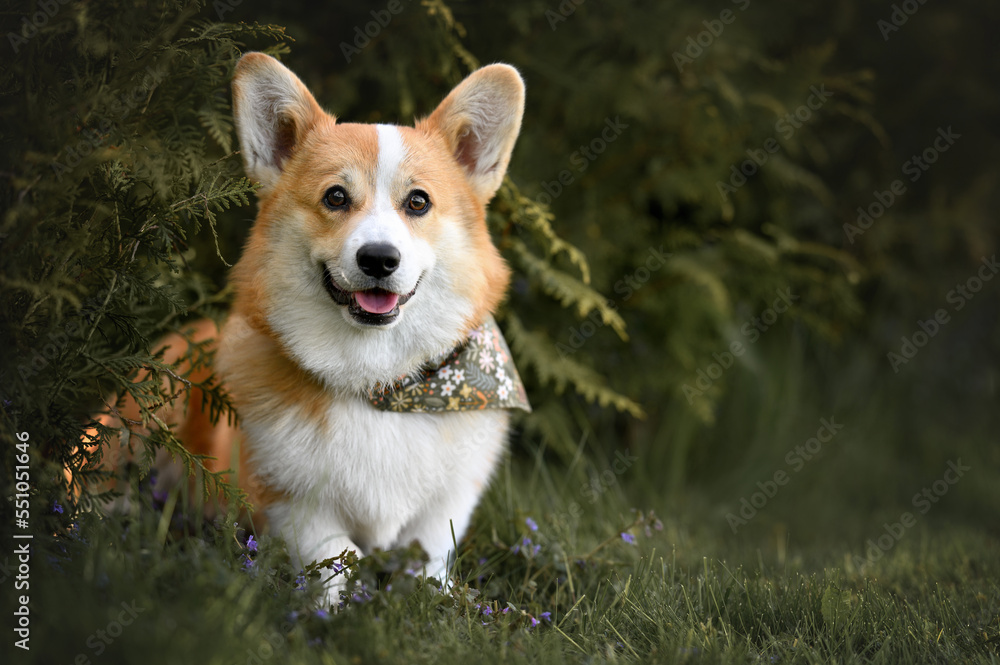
(274, 111)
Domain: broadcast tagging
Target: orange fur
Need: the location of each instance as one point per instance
(307, 152)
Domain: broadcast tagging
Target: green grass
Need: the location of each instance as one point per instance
(793, 585)
(689, 592)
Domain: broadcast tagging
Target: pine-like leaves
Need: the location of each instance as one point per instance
(119, 133)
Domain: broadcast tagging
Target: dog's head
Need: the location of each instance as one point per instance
(370, 253)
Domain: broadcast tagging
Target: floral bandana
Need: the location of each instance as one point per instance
(479, 374)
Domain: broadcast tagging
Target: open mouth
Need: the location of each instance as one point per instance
(374, 307)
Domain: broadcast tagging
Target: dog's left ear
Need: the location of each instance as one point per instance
(480, 120)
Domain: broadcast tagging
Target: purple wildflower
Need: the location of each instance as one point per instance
(628, 538)
(546, 615)
(532, 524)
(487, 610)
(248, 563)
(361, 594)
(529, 548)
(322, 614)
(252, 544)
(56, 508)
(300, 583)
(534, 621)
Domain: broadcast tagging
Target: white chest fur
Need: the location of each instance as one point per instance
(376, 476)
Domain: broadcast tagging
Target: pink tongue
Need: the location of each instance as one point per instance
(377, 302)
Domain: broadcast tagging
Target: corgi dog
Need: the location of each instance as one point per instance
(367, 277)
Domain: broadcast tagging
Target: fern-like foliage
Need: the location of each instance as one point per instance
(566, 289)
(554, 266)
(535, 352)
(118, 146)
(124, 202)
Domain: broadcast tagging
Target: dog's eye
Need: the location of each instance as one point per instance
(335, 197)
(418, 203)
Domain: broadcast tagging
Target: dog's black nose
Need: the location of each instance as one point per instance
(378, 259)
